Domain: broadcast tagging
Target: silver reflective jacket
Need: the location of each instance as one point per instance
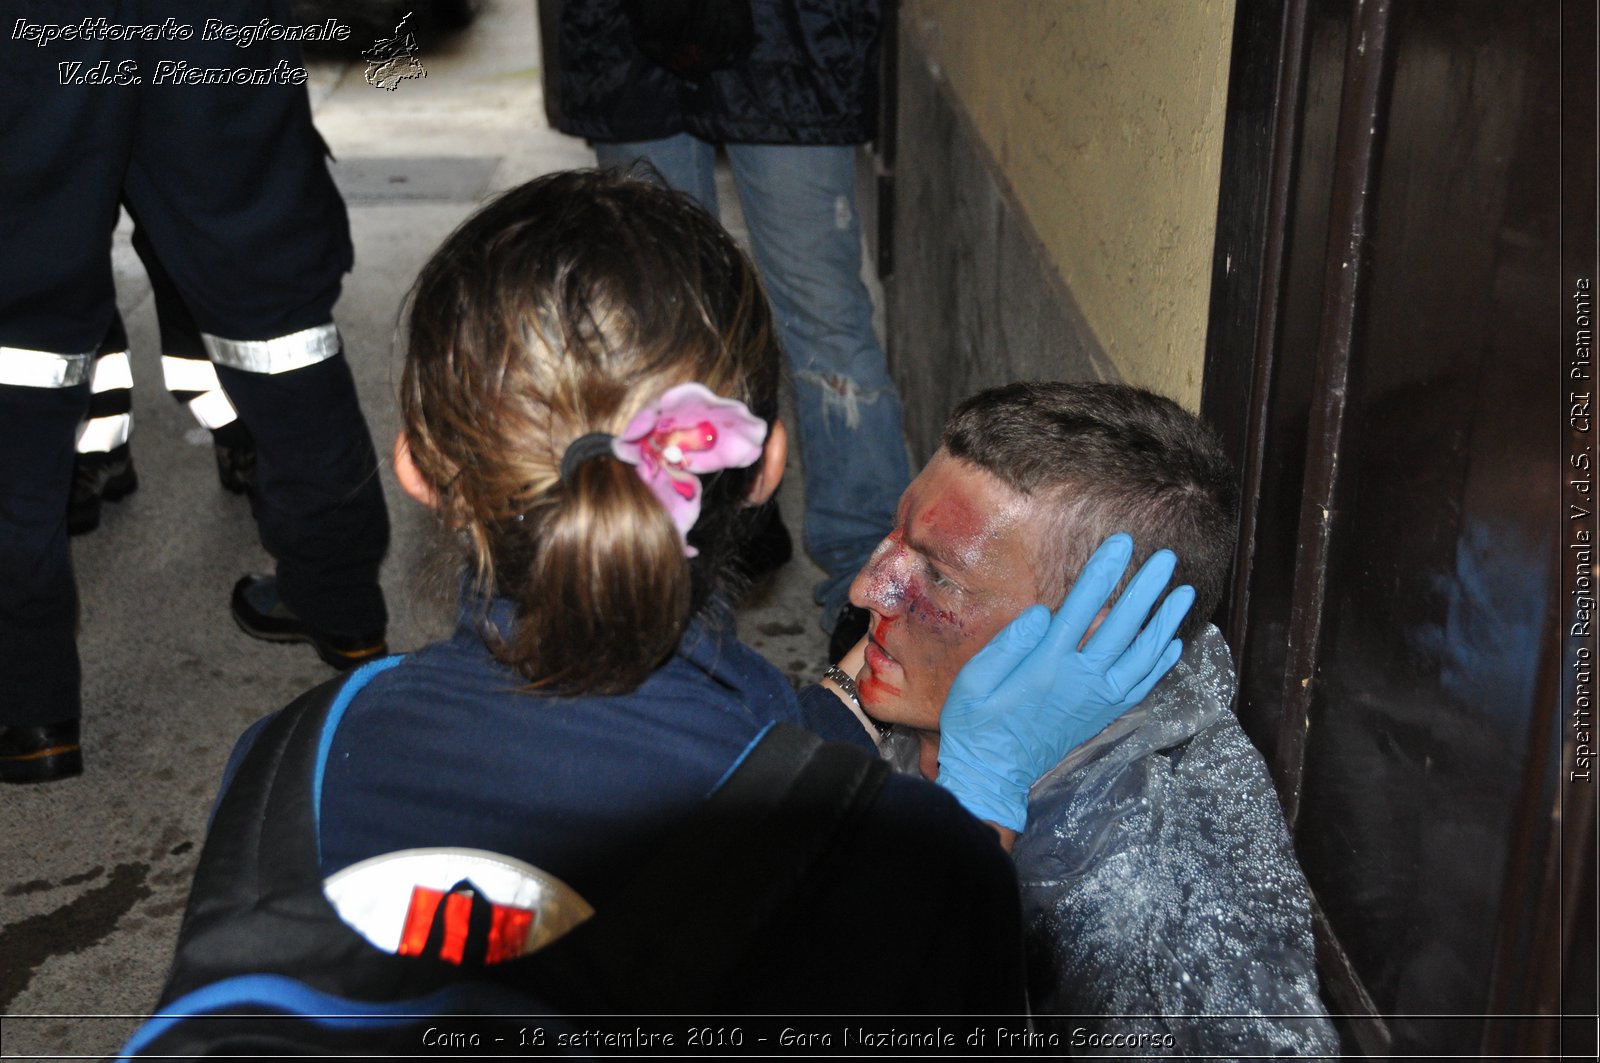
(1165, 910)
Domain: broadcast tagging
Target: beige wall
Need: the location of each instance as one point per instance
(1105, 119)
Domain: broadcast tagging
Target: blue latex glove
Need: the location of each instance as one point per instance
(1030, 696)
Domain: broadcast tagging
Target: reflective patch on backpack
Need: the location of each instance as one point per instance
(461, 905)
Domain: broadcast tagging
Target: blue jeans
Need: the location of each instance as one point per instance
(799, 202)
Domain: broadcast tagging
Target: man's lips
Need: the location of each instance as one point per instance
(878, 659)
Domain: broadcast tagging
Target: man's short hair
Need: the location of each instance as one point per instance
(1107, 458)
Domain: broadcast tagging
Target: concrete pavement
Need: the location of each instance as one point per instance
(94, 871)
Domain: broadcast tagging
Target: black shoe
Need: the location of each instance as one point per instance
(40, 752)
(849, 629)
(107, 476)
(258, 612)
(769, 546)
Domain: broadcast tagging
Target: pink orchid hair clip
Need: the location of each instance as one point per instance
(689, 430)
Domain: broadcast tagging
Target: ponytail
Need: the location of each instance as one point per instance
(584, 622)
(565, 308)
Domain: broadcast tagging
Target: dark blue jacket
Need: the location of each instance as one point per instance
(811, 78)
(440, 748)
(444, 749)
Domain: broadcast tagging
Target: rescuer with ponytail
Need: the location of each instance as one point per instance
(558, 313)
(589, 406)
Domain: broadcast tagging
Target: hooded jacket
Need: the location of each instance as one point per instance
(810, 77)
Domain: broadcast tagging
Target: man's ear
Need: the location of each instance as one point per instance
(769, 471)
(410, 477)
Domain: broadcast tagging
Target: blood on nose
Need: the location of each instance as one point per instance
(885, 577)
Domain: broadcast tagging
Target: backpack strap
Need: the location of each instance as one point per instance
(669, 940)
(474, 948)
(250, 908)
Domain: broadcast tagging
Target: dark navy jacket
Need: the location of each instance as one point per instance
(441, 749)
(811, 78)
(444, 749)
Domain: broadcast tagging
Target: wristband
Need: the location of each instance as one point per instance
(847, 684)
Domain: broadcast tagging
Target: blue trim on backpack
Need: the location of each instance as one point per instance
(740, 759)
(358, 679)
(291, 997)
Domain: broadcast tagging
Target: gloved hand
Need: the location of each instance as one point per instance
(1030, 696)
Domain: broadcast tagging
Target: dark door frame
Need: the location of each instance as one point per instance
(1261, 146)
(1259, 182)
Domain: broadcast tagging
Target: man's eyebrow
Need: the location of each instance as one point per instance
(922, 546)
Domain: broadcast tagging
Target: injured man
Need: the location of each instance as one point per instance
(1165, 910)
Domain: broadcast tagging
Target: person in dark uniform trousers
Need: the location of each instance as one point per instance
(210, 142)
(103, 469)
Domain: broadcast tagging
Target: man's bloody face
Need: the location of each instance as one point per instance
(959, 565)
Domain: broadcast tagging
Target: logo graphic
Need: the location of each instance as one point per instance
(394, 59)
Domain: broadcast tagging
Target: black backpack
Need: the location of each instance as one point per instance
(265, 966)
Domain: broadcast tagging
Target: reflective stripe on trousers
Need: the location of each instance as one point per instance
(195, 381)
(294, 351)
(21, 367)
(109, 422)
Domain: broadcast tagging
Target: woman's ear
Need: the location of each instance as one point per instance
(410, 477)
(769, 472)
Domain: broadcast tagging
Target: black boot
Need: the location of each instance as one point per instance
(105, 476)
(261, 614)
(40, 752)
(236, 458)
